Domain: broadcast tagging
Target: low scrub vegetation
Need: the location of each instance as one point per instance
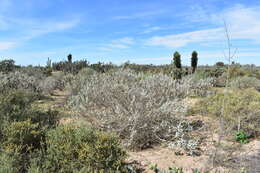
(241, 109)
(32, 141)
(126, 107)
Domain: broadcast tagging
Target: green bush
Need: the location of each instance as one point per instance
(22, 137)
(241, 137)
(71, 148)
(7, 65)
(8, 163)
(17, 106)
(241, 109)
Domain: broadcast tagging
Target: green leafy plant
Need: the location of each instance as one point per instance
(18, 106)
(22, 137)
(170, 169)
(241, 137)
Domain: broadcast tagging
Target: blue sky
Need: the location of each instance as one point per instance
(141, 31)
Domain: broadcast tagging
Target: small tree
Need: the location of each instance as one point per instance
(194, 61)
(177, 60)
(70, 58)
(7, 65)
(220, 64)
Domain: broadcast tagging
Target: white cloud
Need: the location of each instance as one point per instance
(122, 43)
(181, 40)
(139, 15)
(30, 29)
(243, 24)
(36, 29)
(6, 45)
(152, 29)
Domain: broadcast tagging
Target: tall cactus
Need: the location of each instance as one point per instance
(194, 61)
(177, 60)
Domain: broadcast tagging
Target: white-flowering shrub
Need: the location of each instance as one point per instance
(142, 109)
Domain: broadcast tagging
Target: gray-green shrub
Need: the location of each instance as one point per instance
(245, 82)
(141, 109)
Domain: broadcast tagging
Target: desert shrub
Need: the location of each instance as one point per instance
(14, 105)
(70, 67)
(8, 163)
(71, 148)
(48, 84)
(237, 71)
(245, 82)
(22, 137)
(241, 107)
(58, 81)
(36, 71)
(75, 83)
(17, 106)
(7, 65)
(19, 141)
(17, 80)
(214, 71)
(141, 109)
(198, 87)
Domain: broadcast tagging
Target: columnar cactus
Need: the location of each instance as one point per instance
(194, 61)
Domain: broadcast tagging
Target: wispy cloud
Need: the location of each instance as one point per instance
(181, 40)
(139, 15)
(36, 29)
(243, 24)
(6, 45)
(152, 29)
(29, 29)
(121, 43)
